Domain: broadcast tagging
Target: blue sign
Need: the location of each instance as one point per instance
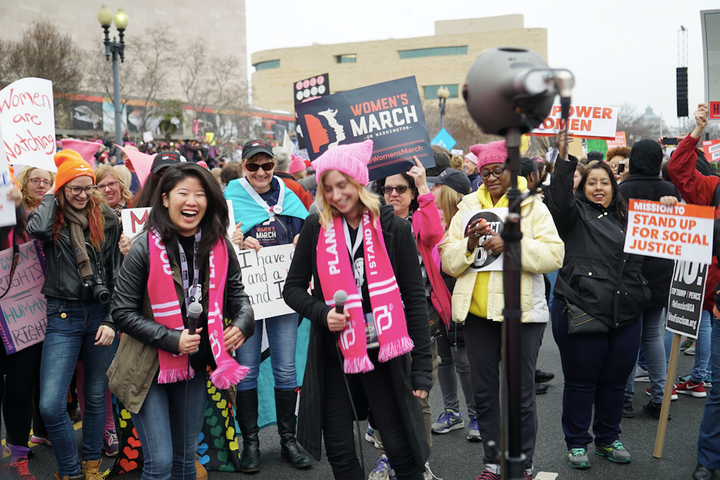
(443, 139)
(390, 114)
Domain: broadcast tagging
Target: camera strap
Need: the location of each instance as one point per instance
(15, 260)
(190, 291)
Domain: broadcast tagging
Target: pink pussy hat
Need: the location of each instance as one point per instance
(471, 157)
(351, 159)
(493, 152)
(87, 150)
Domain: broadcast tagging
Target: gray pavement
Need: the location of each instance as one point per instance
(453, 457)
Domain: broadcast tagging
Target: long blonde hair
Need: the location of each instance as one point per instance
(449, 200)
(28, 200)
(103, 171)
(327, 211)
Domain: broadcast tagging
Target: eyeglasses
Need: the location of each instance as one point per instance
(76, 191)
(400, 189)
(497, 173)
(39, 181)
(108, 185)
(254, 167)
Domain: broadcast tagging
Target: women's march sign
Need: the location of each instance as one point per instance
(679, 232)
(27, 123)
(22, 310)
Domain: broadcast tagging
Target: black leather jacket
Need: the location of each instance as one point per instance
(62, 277)
(131, 303)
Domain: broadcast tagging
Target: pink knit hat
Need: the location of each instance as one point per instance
(493, 152)
(471, 156)
(351, 159)
(87, 150)
(297, 164)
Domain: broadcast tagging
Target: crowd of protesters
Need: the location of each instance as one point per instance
(419, 305)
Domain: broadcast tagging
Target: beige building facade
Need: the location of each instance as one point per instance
(439, 60)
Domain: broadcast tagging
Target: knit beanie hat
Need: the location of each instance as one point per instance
(297, 164)
(493, 152)
(87, 150)
(282, 159)
(471, 156)
(351, 159)
(70, 165)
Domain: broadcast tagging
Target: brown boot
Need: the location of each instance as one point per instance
(91, 469)
(76, 477)
(201, 473)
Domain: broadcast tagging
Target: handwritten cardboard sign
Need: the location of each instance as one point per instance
(485, 261)
(389, 113)
(687, 292)
(585, 121)
(264, 273)
(27, 123)
(680, 232)
(712, 150)
(22, 310)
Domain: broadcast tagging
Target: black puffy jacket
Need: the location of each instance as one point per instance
(597, 275)
(62, 277)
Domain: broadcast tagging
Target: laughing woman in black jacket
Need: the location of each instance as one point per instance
(599, 279)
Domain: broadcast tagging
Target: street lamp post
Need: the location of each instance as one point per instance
(443, 94)
(114, 48)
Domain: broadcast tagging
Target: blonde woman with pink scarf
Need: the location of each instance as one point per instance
(380, 342)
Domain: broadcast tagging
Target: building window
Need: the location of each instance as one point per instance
(266, 65)
(433, 52)
(431, 91)
(348, 58)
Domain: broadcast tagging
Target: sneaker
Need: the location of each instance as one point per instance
(448, 421)
(641, 375)
(429, 475)
(627, 410)
(382, 470)
(690, 350)
(697, 390)
(541, 388)
(542, 377)
(615, 452)
(370, 436)
(687, 343)
(707, 381)
(110, 443)
(526, 475)
(38, 439)
(20, 471)
(672, 397)
(488, 475)
(653, 409)
(473, 430)
(578, 458)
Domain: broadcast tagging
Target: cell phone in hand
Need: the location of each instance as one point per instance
(621, 167)
(670, 141)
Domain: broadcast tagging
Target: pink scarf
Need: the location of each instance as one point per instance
(166, 311)
(335, 273)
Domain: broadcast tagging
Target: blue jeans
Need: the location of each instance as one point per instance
(596, 367)
(709, 437)
(71, 330)
(652, 343)
(282, 337)
(164, 412)
(702, 348)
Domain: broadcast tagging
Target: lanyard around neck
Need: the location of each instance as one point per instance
(190, 292)
(272, 210)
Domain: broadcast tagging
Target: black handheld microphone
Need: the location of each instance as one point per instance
(340, 298)
(193, 314)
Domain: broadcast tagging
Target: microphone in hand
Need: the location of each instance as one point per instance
(340, 298)
(193, 314)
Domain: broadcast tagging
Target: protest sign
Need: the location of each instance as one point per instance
(712, 150)
(264, 273)
(134, 220)
(22, 310)
(585, 121)
(390, 114)
(679, 232)
(311, 88)
(687, 292)
(27, 123)
(444, 139)
(7, 206)
(148, 136)
(484, 261)
(618, 142)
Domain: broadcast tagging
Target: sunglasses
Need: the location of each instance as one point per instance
(254, 167)
(497, 173)
(400, 189)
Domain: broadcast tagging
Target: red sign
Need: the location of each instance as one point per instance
(712, 149)
(714, 111)
(618, 142)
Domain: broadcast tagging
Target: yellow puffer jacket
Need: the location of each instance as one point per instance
(542, 252)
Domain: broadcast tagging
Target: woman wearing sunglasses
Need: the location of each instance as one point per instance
(80, 236)
(269, 214)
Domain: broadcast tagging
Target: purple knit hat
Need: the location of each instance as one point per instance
(351, 159)
(493, 152)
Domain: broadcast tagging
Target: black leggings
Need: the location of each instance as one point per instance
(338, 420)
(21, 370)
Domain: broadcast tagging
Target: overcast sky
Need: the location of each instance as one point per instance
(619, 51)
